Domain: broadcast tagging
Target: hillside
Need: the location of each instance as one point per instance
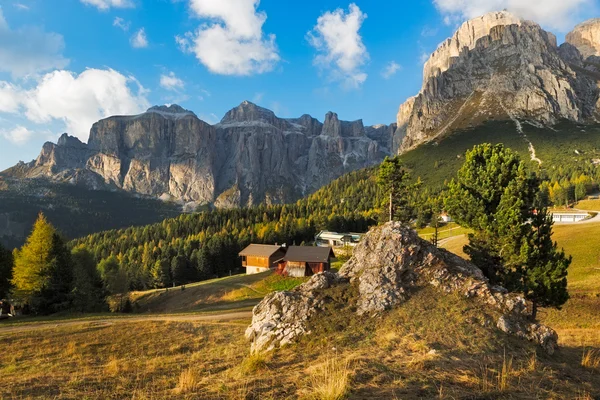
(433, 344)
(73, 209)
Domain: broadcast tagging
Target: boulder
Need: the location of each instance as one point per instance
(391, 261)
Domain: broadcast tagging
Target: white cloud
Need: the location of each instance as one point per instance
(122, 24)
(19, 135)
(139, 39)
(29, 50)
(171, 82)
(77, 100)
(553, 14)
(21, 6)
(390, 69)
(340, 46)
(233, 42)
(106, 4)
(258, 97)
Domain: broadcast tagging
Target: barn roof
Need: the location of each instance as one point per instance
(260, 250)
(309, 254)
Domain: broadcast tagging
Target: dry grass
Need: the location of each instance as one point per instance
(591, 359)
(330, 380)
(188, 381)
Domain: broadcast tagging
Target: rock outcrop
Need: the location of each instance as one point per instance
(386, 266)
(250, 157)
(586, 38)
(499, 67)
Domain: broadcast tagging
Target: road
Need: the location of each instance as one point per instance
(28, 327)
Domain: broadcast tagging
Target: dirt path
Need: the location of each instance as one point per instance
(27, 327)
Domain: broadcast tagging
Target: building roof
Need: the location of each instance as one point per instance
(260, 250)
(309, 254)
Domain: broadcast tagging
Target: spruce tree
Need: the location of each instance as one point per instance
(393, 178)
(495, 196)
(6, 271)
(88, 290)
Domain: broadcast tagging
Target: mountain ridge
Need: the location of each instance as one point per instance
(251, 156)
(501, 67)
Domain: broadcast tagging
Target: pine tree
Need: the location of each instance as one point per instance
(88, 289)
(6, 272)
(393, 179)
(115, 279)
(495, 196)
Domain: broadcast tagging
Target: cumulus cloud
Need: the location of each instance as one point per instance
(233, 42)
(139, 39)
(18, 135)
(29, 50)
(121, 24)
(554, 14)
(77, 100)
(106, 4)
(391, 69)
(171, 82)
(339, 45)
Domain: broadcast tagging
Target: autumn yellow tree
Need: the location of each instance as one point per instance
(30, 274)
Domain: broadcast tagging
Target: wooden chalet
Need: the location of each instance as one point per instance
(258, 258)
(302, 261)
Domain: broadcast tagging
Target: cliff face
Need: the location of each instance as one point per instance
(251, 156)
(498, 67)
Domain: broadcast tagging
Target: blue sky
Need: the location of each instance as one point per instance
(66, 63)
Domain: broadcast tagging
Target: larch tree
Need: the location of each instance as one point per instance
(88, 290)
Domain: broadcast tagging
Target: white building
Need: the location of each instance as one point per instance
(334, 239)
(569, 216)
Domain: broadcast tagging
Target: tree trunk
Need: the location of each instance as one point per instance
(534, 309)
(391, 205)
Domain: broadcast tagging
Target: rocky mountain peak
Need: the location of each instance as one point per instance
(586, 38)
(498, 67)
(66, 140)
(465, 37)
(172, 110)
(335, 128)
(248, 112)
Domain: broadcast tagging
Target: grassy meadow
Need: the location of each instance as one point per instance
(433, 346)
(430, 347)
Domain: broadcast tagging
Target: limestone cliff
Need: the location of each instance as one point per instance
(251, 156)
(498, 67)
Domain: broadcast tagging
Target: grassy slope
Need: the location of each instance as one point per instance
(240, 291)
(428, 348)
(74, 210)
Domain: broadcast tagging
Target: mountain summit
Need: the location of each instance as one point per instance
(499, 66)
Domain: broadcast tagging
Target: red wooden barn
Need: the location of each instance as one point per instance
(305, 261)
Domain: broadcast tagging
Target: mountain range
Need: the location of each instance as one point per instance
(498, 78)
(250, 157)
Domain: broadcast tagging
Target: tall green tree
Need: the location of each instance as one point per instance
(116, 281)
(43, 271)
(88, 289)
(494, 194)
(394, 179)
(6, 272)
(497, 197)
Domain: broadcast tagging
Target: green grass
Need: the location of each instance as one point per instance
(589, 205)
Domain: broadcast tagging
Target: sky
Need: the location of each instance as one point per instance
(64, 64)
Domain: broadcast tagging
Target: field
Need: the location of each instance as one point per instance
(428, 348)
